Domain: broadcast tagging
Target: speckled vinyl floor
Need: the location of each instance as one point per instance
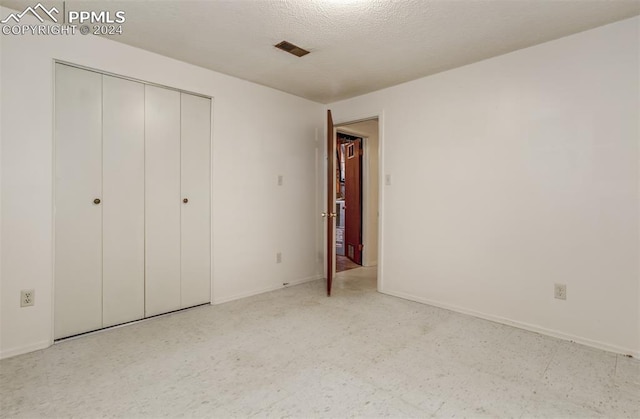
(296, 353)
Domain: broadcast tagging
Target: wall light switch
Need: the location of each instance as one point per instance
(387, 179)
(280, 180)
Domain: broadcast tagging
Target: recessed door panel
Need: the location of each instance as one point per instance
(163, 200)
(195, 214)
(78, 201)
(123, 200)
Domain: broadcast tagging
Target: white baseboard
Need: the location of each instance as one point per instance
(24, 349)
(531, 327)
(263, 290)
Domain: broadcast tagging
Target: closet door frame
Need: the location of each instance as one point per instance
(54, 62)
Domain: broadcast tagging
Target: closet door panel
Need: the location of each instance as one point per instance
(78, 220)
(196, 218)
(162, 200)
(123, 200)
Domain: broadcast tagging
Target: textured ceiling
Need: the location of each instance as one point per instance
(357, 46)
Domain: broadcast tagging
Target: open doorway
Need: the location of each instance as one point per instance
(349, 243)
(356, 192)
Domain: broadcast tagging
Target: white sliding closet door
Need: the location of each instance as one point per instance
(78, 220)
(196, 219)
(123, 200)
(163, 201)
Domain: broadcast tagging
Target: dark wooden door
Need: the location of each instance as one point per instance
(331, 204)
(353, 200)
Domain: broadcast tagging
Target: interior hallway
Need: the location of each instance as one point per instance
(343, 263)
(296, 353)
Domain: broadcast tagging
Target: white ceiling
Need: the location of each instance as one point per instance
(357, 46)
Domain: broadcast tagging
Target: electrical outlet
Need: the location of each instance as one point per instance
(280, 180)
(27, 298)
(279, 257)
(560, 291)
(387, 180)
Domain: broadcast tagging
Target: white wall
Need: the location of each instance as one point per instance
(258, 133)
(515, 173)
(368, 129)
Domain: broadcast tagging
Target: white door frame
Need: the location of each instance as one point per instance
(339, 120)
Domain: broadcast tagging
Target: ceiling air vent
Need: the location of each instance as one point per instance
(291, 49)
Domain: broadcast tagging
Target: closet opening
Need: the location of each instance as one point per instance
(132, 200)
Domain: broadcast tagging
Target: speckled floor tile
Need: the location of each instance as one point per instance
(296, 353)
(628, 372)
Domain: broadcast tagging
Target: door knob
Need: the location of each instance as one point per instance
(185, 200)
(332, 215)
(324, 214)
(96, 201)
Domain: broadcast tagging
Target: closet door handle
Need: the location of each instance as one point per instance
(185, 200)
(96, 201)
